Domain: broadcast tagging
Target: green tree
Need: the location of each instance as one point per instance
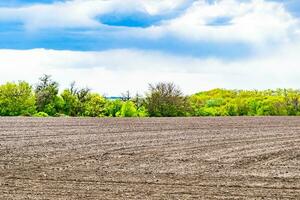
(71, 103)
(166, 100)
(272, 105)
(128, 110)
(46, 92)
(16, 99)
(75, 100)
(292, 103)
(142, 111)
(113, 108)
(94, 105)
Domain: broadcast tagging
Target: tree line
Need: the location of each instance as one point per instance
(161, 100)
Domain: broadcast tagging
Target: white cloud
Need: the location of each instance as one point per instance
(80, 13)
(255, 21)
(70, 14)
(115, 71)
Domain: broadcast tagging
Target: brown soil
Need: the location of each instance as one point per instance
(167, 158)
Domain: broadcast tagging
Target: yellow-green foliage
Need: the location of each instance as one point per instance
(16, 99)
(94, 106)
(162, 100)
(128, 110)
(221, 102)
(41, 114)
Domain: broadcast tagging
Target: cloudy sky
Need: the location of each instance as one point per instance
(113, 46)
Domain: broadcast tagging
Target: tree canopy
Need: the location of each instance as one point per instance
(17, 99)
(161, 100)
(166, 100)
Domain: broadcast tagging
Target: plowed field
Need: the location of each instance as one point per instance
(167, 158)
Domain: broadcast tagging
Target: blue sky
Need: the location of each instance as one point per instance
(174, 40)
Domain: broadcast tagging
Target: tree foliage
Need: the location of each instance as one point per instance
(94, 106)
(46, 93)
(113, 108)
(162, 100)
(166, 100)
(220, 102)
(75, 100)
(16, 99)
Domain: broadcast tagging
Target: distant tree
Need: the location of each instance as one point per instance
(291, 98)
(75, 99)
(72, 106)
(73, 89)
(140, 104)
(166, 100)
(83, 94)
(128, 110)
(138, 100)
(142, 112)
(162, 100)
(94, 105)
(17, 99)
(125, 96)
(272, 105)
(46, 92)
(113, 108)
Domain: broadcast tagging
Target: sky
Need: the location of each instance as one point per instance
(112, 46)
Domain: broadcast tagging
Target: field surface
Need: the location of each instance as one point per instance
(167, 158)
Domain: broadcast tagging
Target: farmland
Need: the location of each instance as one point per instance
(150, 158)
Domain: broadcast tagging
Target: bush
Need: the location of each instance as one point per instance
(142, 112)
(41, 114)
(94, 106)
(128, 110)
(113, 107)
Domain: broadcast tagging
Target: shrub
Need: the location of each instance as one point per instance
(128, 110)
(41, 114)
(113, 108)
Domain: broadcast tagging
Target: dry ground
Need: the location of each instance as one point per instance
(168, 158)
